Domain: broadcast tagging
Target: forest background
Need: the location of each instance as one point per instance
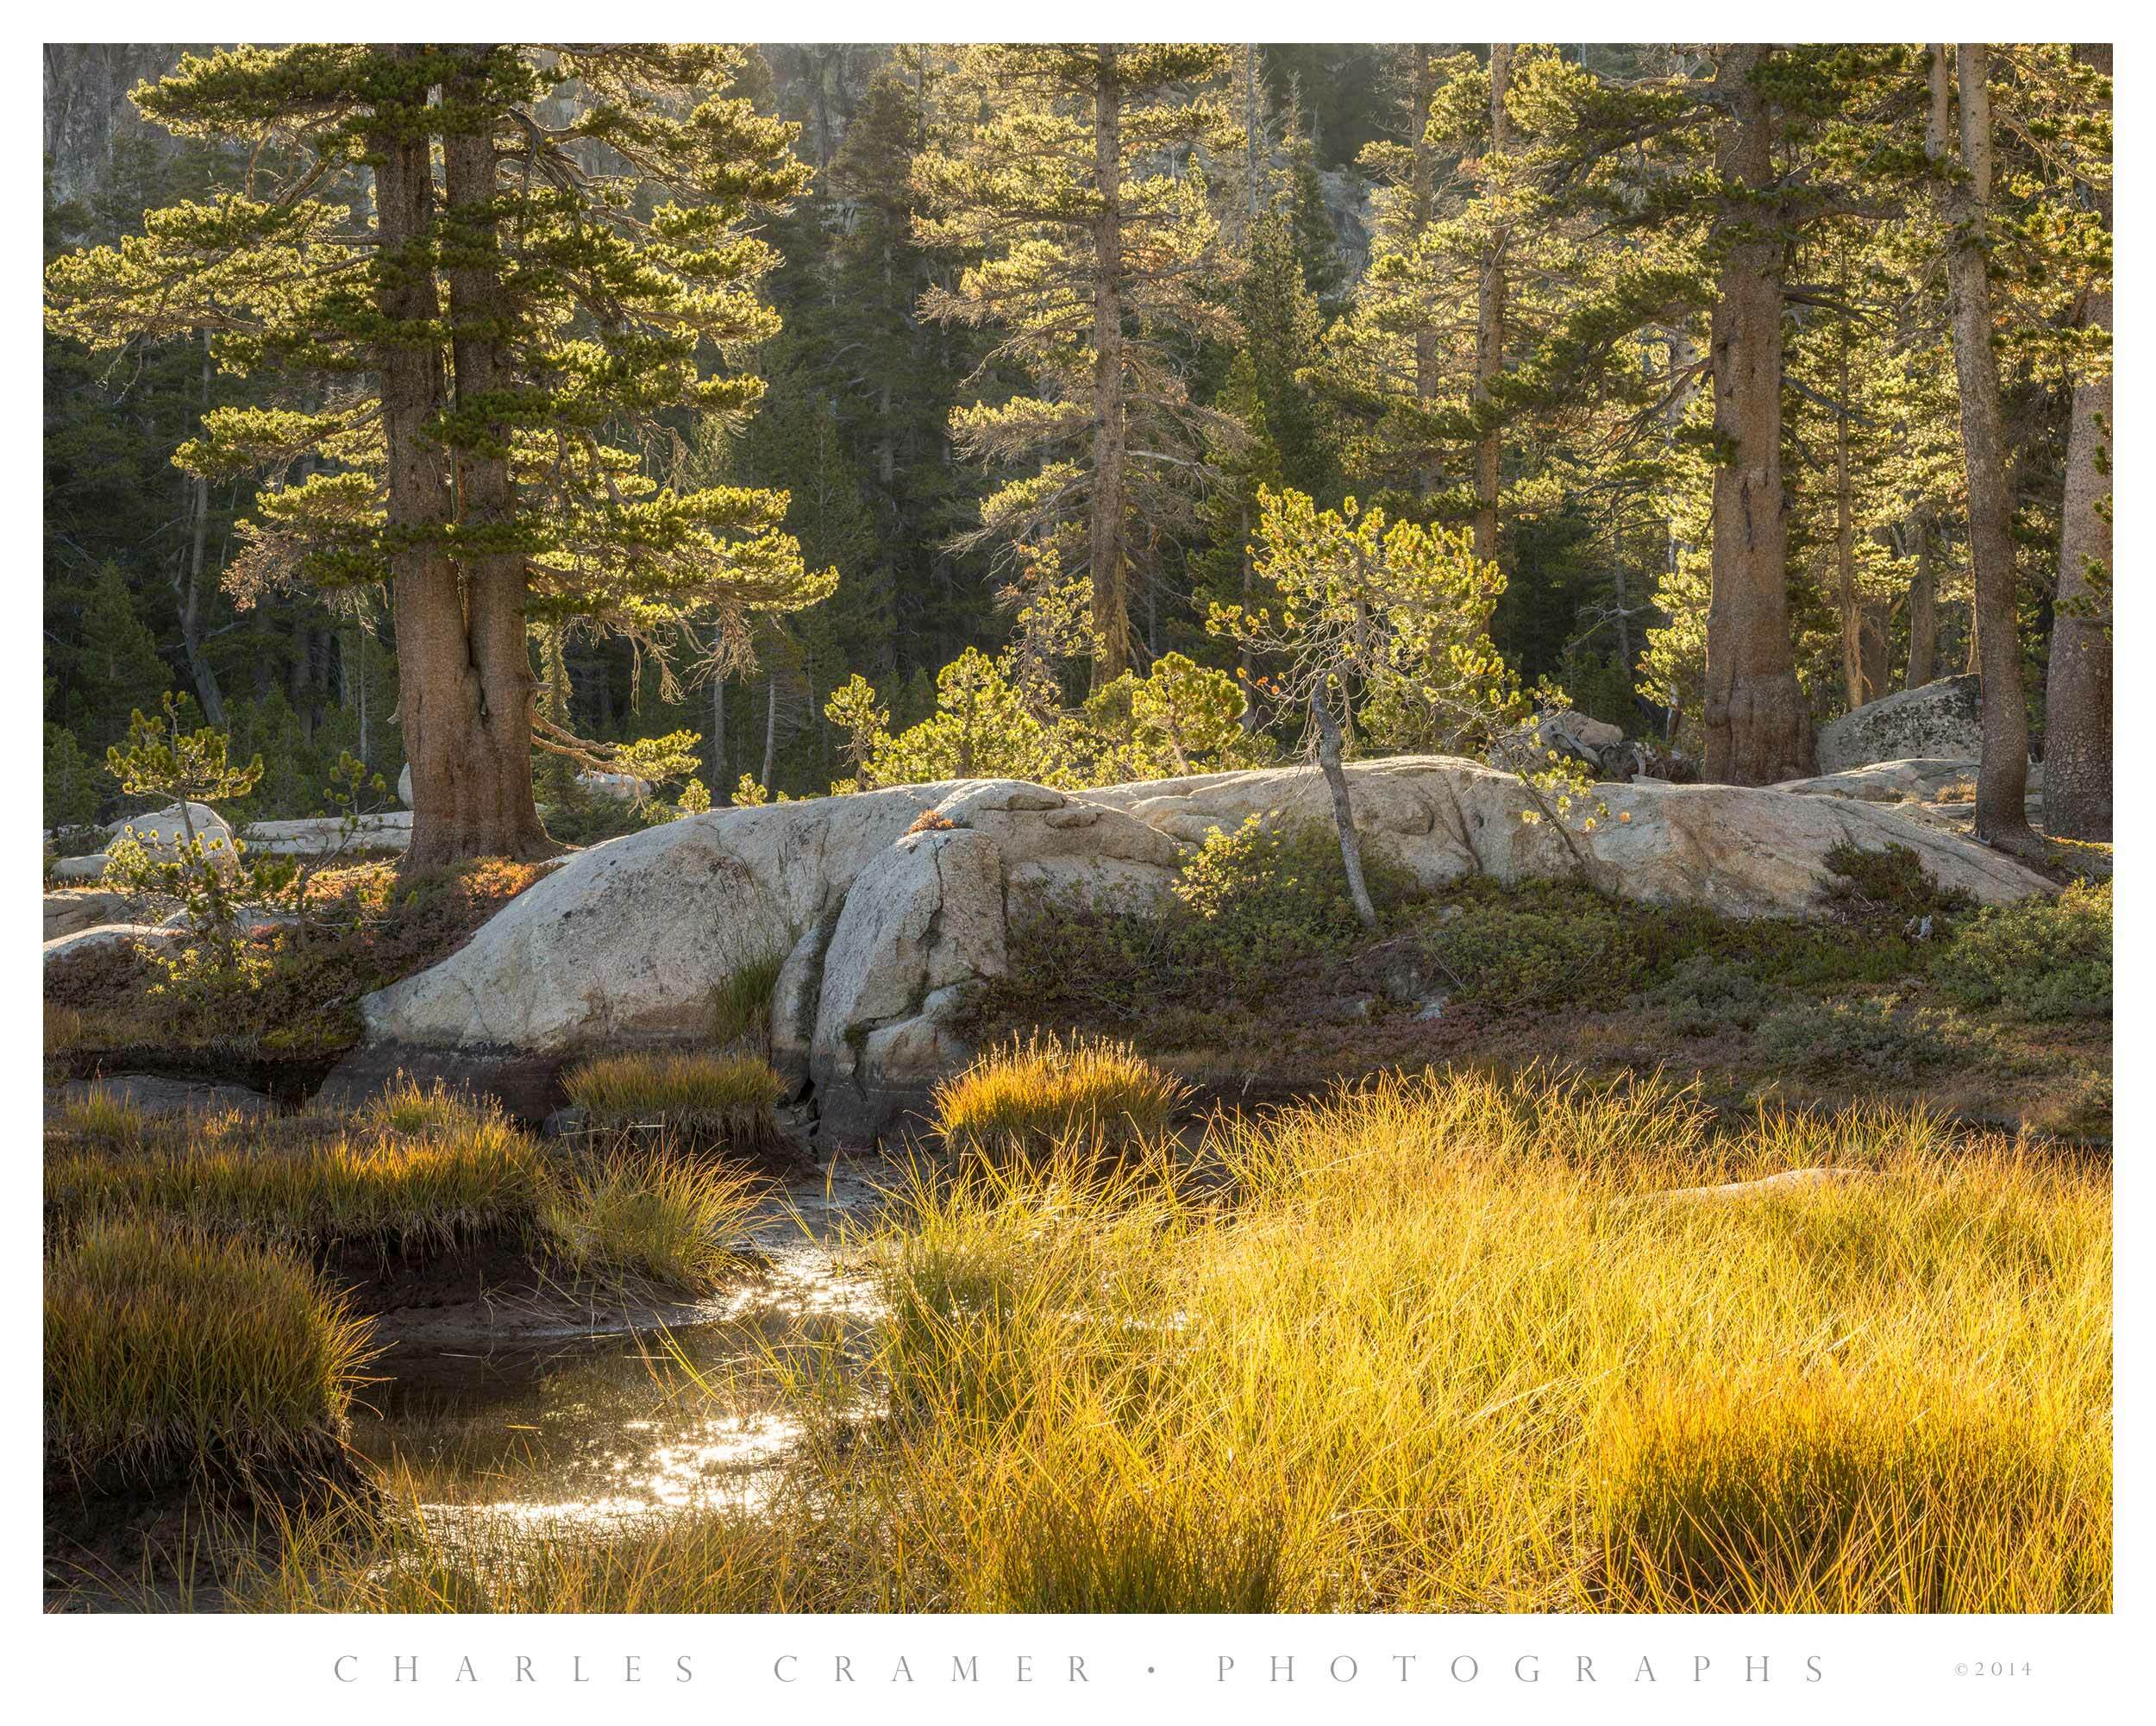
(1473, 286)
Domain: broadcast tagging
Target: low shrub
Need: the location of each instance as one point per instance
(2044, 958)
(1237, 937)
(296, 986)
(1255, 913)
(1047, 1094)
(1704, 996)
(668, 1220)
(1890, 885)
(1269, 899)
(172, 1359)
(1536, 944)
(1869, 1034)
(1070, 956)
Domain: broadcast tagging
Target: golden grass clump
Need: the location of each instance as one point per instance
(701, 1096)
(668, 1219)
(416, 1175)
(1044, 1094)
(405, 1106)
(478, 1183)
(170, 1358)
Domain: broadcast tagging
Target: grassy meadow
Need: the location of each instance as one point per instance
(1441, 1343)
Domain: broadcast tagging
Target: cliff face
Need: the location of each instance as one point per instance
(820, 85)
(87, 112)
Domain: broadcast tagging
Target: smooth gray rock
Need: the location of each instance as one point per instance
(1588, 741)
(83, 941)
(888, 935)
(625, 942)
(70, 912)
(318, 835)
(1889, 782)
(922, 928)
(624, 788)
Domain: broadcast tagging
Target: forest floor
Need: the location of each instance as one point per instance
(2000, 1019)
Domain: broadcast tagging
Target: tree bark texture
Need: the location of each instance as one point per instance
(477, 755)
(464, 658)
(2077, 693)
(2003, 775)
(428, 602)
(1758, 729)
(1342, 809)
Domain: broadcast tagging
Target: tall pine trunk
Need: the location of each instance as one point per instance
(1759, 729)
(1111, 606)
(1490, 324)
(2077, 695)
(472, 790)
(2003, 774)
(429, 603)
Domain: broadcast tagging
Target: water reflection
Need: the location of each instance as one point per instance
(645, 1422)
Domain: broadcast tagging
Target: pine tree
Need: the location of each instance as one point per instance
(894, 374)
(1095, 255)
(1280, 438)
(569, 270)
(117, 667)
